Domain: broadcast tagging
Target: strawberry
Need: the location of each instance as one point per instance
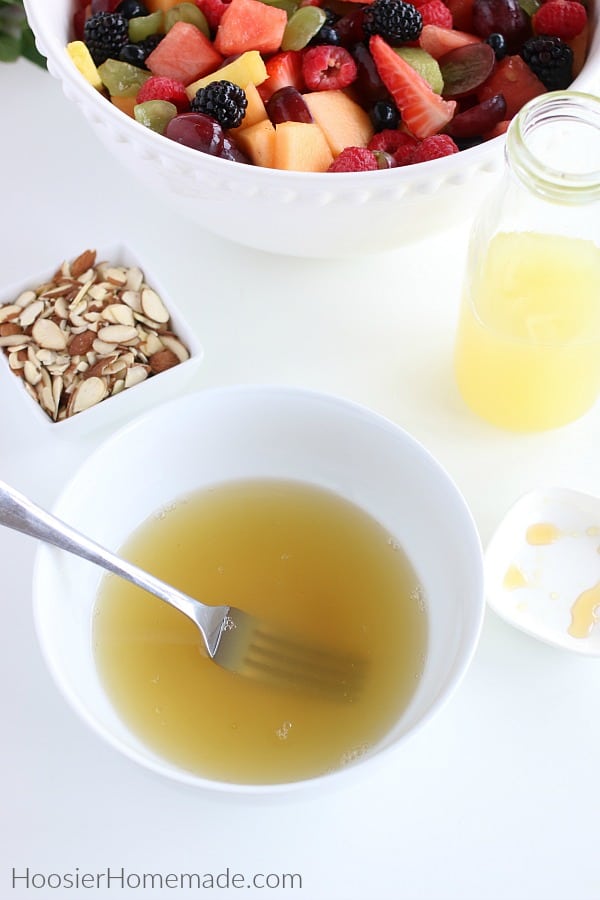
(434, 12)
(561, 18)
(328, 68)
(423, 111)
(434, 147)
(158, 87)
(284, 70)
(354, 159)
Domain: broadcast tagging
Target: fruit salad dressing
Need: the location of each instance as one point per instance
(527, 354)
(583, 606)
(294, 555)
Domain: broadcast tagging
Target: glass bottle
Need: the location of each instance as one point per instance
(527, 355)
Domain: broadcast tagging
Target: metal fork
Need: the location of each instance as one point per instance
(233, 639)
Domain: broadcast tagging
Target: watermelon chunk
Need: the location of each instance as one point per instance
(184, 54)
(513, 78)
(438, 41)
(250, 25)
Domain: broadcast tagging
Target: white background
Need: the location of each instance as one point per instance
(498, 798)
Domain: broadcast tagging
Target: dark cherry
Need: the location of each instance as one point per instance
(288, 105)
(197, 131)
(505, 17)
(368, 85)
(478, 119)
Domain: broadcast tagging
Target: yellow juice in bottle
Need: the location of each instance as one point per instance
(528, 342)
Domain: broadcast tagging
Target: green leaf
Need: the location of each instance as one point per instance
(10, 47)
(30, 51)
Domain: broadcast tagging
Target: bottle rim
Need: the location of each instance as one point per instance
(539, 174)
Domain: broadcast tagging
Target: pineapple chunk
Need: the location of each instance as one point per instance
(249, 67)
(80, 55)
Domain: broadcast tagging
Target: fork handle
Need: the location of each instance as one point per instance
(21, 514)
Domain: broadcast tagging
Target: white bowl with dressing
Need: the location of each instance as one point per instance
(225, 434)
(542, 568)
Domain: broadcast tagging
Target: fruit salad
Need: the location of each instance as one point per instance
(324, 85)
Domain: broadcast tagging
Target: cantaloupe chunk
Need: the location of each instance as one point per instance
(258, 143)
(255, 111)
(249, 67)
(164, 5)
(343, 122)
(301, 147)
(125, 104)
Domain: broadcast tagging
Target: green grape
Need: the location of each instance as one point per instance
(530, 6)
(302, 27)
(121, 79)
(141, 27)
(155, 114)
(290, 6)
(187, 12)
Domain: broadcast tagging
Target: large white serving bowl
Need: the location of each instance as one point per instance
(302, 214)
(256, 432)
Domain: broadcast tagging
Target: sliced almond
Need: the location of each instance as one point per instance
(32, 373)
(116, 275)
(175, 346)
(161, 361)
(14, 340)
(25, 298)
(48, 335)
(135, 375)
(153, 307)
(133, 299)
(135, 278)
(90, 392)
(82, 263)
(10, 311)
(82, 342)
(7, 328)
(118, 334)
(118, 314)
(31, 312)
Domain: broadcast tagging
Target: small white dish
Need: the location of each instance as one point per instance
(542, 568)
(132, 401)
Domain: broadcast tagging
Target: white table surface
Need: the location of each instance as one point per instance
(496, 799)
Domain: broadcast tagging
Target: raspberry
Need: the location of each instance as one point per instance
(328, 68)
(404, 155)
(397, 22)
(159, 87)
(354, 159)
(560, 18)
(391, 141)
(434, 147)
(434, 12)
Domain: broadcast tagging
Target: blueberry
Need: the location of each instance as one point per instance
(384, 114)
(132, 8)
(497, 43)
(133, 54)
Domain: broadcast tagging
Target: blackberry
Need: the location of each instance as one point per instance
(104, 34)
(223, 101)
(395, 21)
(551, 59)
